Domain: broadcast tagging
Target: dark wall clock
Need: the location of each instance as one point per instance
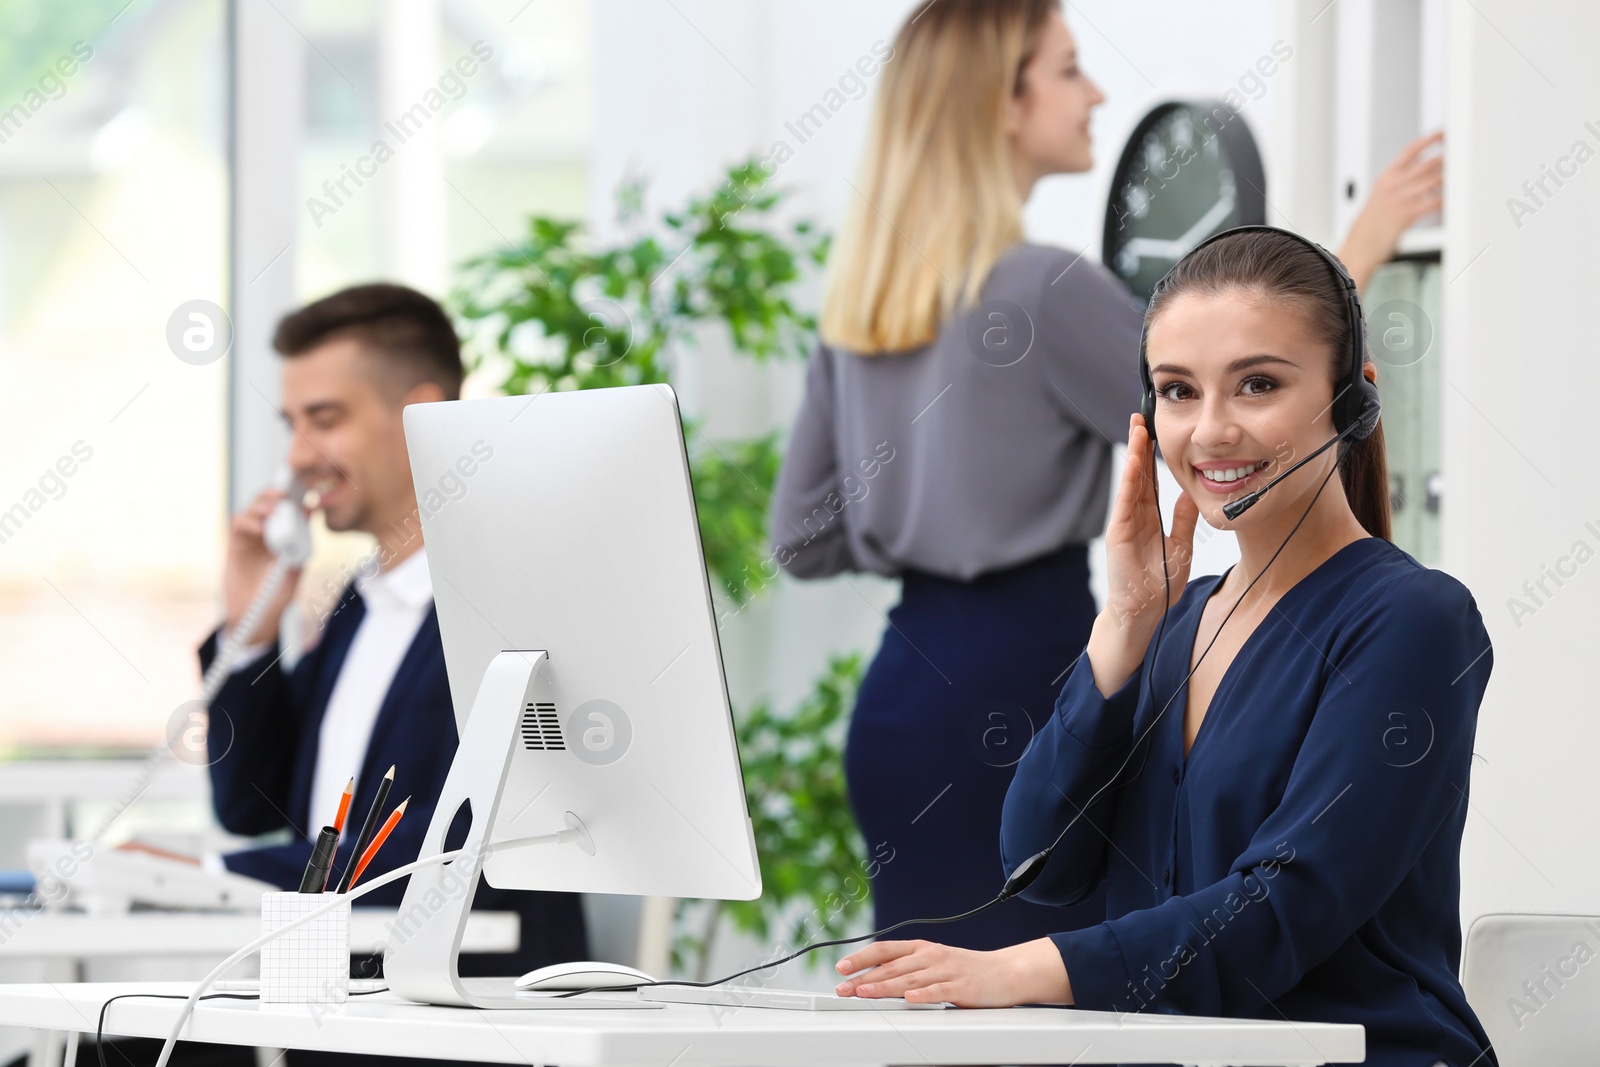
(1190, 169)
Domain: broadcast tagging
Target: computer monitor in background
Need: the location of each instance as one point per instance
(597, 748)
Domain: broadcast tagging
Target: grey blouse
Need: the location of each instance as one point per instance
(988, 447)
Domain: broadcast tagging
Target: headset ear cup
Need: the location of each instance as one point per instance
(1360, 406)
(1371, 408)
(1147, 406)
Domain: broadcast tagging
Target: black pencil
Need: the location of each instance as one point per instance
(367, 829)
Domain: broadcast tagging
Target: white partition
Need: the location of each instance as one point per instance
(1522, 515)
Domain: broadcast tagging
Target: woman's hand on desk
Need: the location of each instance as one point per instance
(926, 973)
(1135, 544)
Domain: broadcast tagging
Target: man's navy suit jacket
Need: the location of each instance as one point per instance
(263, 736)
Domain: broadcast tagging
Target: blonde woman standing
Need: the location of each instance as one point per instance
(957, 432)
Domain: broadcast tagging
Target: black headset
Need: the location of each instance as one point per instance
(1355, 404)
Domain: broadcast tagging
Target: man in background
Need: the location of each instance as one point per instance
(372, 691)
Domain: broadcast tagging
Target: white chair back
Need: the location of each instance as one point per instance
(1534, 982)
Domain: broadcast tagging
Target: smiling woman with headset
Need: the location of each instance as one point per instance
(1274, 798)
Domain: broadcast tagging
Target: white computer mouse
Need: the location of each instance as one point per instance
(580, 974)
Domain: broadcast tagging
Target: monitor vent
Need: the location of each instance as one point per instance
(541, 730)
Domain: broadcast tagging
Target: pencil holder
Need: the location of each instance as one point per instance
(311, 963)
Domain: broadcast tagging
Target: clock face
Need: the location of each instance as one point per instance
(1189, 170)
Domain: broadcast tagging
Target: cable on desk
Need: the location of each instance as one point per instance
(100, 1024)
(812, 947)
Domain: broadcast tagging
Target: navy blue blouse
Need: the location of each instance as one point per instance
(1303, 862)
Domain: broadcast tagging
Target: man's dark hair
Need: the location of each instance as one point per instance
(406, 329)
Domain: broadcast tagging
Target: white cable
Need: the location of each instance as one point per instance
(338, 900)
(238, 636)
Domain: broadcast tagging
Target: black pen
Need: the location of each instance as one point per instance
(367, 829)
(315, 880)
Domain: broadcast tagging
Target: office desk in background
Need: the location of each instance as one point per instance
(79, 938)
(50, 793)
(685, 1035)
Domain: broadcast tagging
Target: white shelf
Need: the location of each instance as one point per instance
(1422, 240)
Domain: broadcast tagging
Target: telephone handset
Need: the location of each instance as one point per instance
(287, 533)
(288, 537)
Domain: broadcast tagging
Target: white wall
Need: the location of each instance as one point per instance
(1521, 438)
(683, 89)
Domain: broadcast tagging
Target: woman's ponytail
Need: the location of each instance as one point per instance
(1364, 470)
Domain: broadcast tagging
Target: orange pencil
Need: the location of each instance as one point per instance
(369, 825)
(344, 805)
(378, 839)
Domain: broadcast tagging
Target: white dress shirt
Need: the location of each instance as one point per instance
(397, 600)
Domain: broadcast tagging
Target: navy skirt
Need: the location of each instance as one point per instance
(966, 672)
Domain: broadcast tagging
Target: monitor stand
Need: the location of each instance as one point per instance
(419, 962)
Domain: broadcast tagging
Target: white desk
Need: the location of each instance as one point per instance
(691, 1035)
(66, 941)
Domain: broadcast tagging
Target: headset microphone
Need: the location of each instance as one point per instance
(1234, 508)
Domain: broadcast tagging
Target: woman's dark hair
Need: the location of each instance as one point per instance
(1284, 270)
(404, 328)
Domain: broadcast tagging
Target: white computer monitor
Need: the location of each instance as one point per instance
(565, 524)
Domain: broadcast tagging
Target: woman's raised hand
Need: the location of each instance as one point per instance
(1136, 595)
(1410, 187)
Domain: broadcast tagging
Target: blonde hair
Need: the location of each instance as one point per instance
(935, 202)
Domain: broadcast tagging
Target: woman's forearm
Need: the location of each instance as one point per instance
(1113, 654)
(1042, 974)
